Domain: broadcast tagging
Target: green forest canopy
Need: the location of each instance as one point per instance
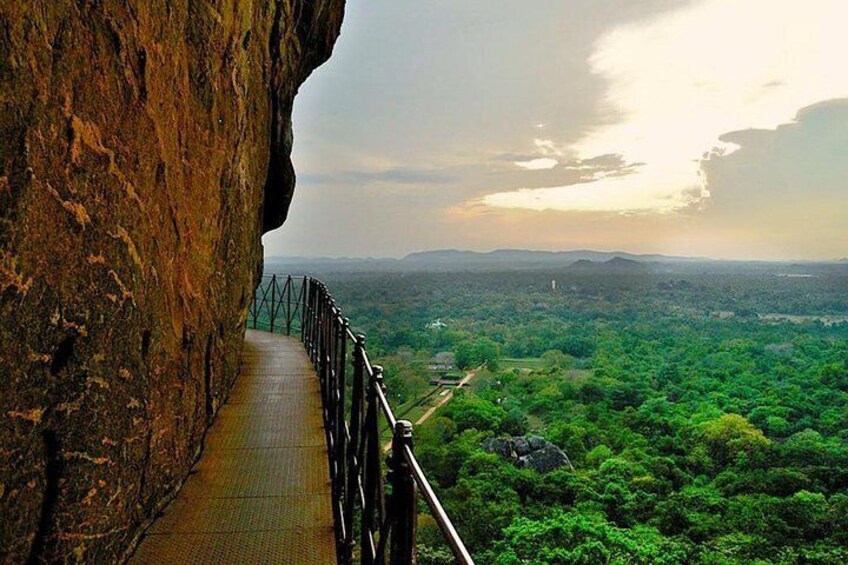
(700, 431)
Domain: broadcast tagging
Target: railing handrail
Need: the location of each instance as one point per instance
(387, 522)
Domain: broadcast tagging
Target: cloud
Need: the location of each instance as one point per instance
(539, 164)
(678, 81)
(577, 177)
(395, 175)
(548, 147)
(512, 157)
(791, 177)
(611, 164)
(613, 193)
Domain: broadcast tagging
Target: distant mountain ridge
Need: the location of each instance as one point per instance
(617, 263)
(549, 257)
(582, 261)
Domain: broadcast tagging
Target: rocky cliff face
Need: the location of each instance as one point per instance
(143, 151)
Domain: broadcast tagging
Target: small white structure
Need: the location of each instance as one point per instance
(436, 325)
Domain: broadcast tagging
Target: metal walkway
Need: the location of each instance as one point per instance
(260, 492)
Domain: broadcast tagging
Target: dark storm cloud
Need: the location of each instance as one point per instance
(802, 161)
(789, 184)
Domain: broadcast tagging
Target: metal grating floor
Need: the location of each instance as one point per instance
(260, 492)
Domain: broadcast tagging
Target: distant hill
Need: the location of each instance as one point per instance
(622, 263)
(581, 260)
(552, 258)
(616, 263)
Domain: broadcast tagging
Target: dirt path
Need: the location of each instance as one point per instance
(448, 394)
(465, 380)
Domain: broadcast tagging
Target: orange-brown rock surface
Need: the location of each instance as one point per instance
(143, 151)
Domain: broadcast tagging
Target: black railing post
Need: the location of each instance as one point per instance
(327, 343)
(316, 330)
(341, 429)
(404, 499)
(354, 453)
(273, 300)
(372, 510)
(332, 420)
(304, 313)
(304, 316)
(322, 360)
(310, 331)
(288, 305)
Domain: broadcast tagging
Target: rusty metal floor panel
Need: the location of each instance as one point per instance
(260, 493)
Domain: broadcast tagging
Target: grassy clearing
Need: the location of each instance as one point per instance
(525, 363)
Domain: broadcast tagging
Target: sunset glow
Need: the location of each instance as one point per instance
(676, 83)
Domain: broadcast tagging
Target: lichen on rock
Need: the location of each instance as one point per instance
(144, 149)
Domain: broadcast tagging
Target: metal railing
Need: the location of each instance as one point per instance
(375, 502)
(277, 304)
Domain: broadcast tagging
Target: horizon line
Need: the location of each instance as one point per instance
(694, 258)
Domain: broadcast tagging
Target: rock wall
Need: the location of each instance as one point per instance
(144, 149)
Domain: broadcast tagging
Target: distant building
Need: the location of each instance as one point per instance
(442, 362)
(436, 325)
(553, 284)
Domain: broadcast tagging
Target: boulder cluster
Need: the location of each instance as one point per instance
(532, 452)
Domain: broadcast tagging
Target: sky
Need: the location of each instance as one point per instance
(711, 128)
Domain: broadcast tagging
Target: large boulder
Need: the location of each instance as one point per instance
(144, 149)
(532, 452)
(545, 459)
